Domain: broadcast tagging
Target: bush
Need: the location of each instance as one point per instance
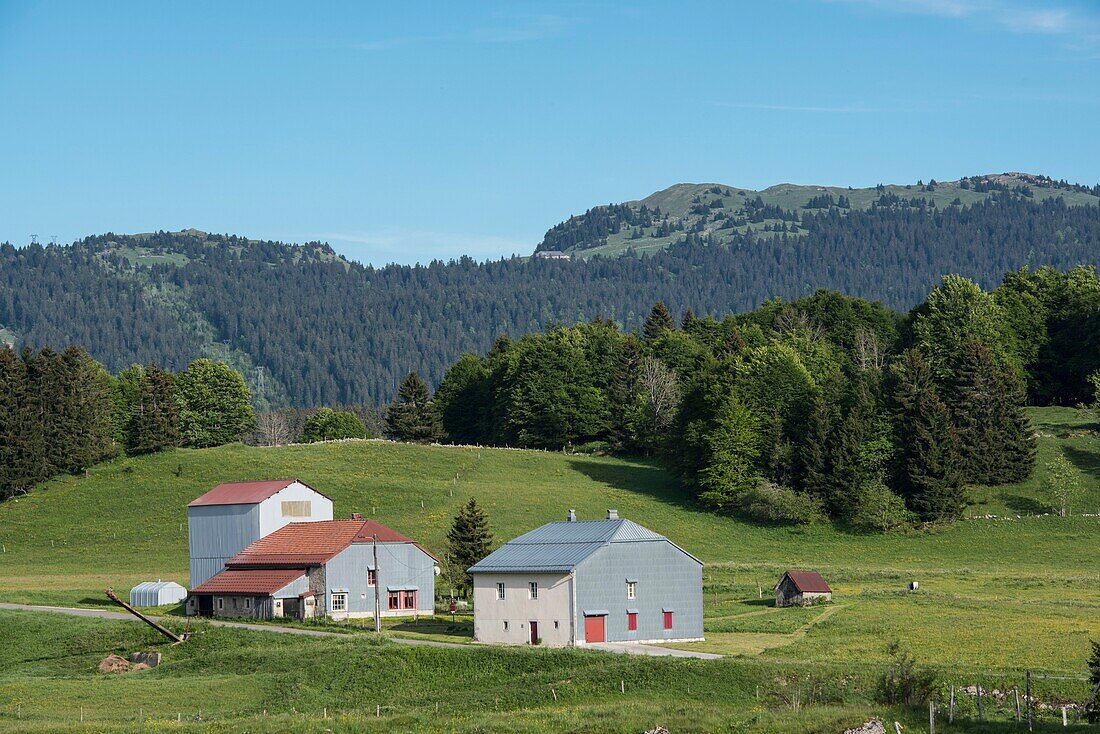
(329, 425)
(878, 508)
(767, 502)
(903, 682)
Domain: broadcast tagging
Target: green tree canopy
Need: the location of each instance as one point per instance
(327, 424)
(215, 405)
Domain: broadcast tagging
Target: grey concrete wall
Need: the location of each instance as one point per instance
(666, 578)
(551, 610)
(400, 565)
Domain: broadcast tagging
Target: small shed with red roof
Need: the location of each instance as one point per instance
(801, 588)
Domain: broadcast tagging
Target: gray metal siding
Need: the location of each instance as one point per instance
(401, 564)
(216, 533)
(666, 578)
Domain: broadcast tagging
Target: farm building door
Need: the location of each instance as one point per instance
(206, 605)
(534, 633)
(594, 629)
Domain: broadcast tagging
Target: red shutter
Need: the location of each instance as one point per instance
(632, 621)
(668, 620)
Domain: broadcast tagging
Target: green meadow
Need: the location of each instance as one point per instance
(996, 596)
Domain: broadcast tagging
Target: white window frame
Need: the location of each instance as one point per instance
(631, 589)
(533, 590)
(500, 591)
(372, 578)
(221, 603)
(343, 597)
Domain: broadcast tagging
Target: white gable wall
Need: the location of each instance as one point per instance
(271, 510)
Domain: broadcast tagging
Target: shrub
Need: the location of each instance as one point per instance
(878, 508)
(329, 425)
(767, 502)
(904, 682)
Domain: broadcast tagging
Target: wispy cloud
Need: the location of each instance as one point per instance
(415, 245)
(501, 28)
(1078, 23)
(839, 109)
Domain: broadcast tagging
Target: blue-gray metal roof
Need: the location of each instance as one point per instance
(561, 546)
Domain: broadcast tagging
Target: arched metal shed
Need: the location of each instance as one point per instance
(157, 593)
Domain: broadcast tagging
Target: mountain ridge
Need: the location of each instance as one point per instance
(663, 218)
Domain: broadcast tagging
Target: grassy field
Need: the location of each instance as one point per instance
(996, 595)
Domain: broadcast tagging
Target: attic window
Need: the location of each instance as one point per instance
(296, 508)
(631, 589)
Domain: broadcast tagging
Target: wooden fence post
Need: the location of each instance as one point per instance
(980, 718)
(951, 707)
(931, 718)
(1016, 691)
(1027, 700)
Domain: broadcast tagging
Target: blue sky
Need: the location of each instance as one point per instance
(407, 131)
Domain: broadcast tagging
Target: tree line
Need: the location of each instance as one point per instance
(828, 405)
(62, 412)
(329, 332)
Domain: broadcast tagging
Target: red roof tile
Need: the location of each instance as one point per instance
(253, 581)
(313, 543)
(809, 581)
(243, 493)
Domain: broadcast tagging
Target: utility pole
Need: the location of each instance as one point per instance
(377, 589)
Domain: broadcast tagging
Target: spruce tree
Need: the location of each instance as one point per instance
(688, 320)
(996, 438)
(154, 422)
(625, 397)
(20, 433)
(928, 473)
(468, 541)
(658, 322)
(811, 457)
(413, 416)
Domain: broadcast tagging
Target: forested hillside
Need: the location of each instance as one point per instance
(308, 328)
(721, 214)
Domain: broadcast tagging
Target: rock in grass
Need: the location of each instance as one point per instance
(113, 664)
(874, 726)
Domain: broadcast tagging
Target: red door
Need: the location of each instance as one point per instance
(594, 630)
(534, 633)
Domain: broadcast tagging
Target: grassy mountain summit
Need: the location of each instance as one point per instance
(719, 212)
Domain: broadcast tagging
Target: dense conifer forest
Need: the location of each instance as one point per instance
(308, 328)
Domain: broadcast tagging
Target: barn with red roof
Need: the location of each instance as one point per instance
(321, 567)
(232, 515)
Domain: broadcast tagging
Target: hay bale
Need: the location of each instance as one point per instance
(113, 664)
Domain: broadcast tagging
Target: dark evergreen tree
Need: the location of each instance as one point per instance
(658, 322)
(625, 396)
(929, 472)
(154, 422)
(469, 540)
(811, 456)
(1093, 710)
(688, 320)
(413, 416)
(995, 437)
(21, 451)
(465, 398)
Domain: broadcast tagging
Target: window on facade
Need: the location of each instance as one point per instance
(505, 625)
(534, 590)
(248, 603)
(296, 508)
(409, 600)
(631, 590)
(500, 591)
(668, 620)
(394, 600)
(221, 603)
(371, 578)
(340, 602)
(632, 621)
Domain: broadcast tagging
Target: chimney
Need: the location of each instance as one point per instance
(612, 514)
(357, 516)
(572, 516)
